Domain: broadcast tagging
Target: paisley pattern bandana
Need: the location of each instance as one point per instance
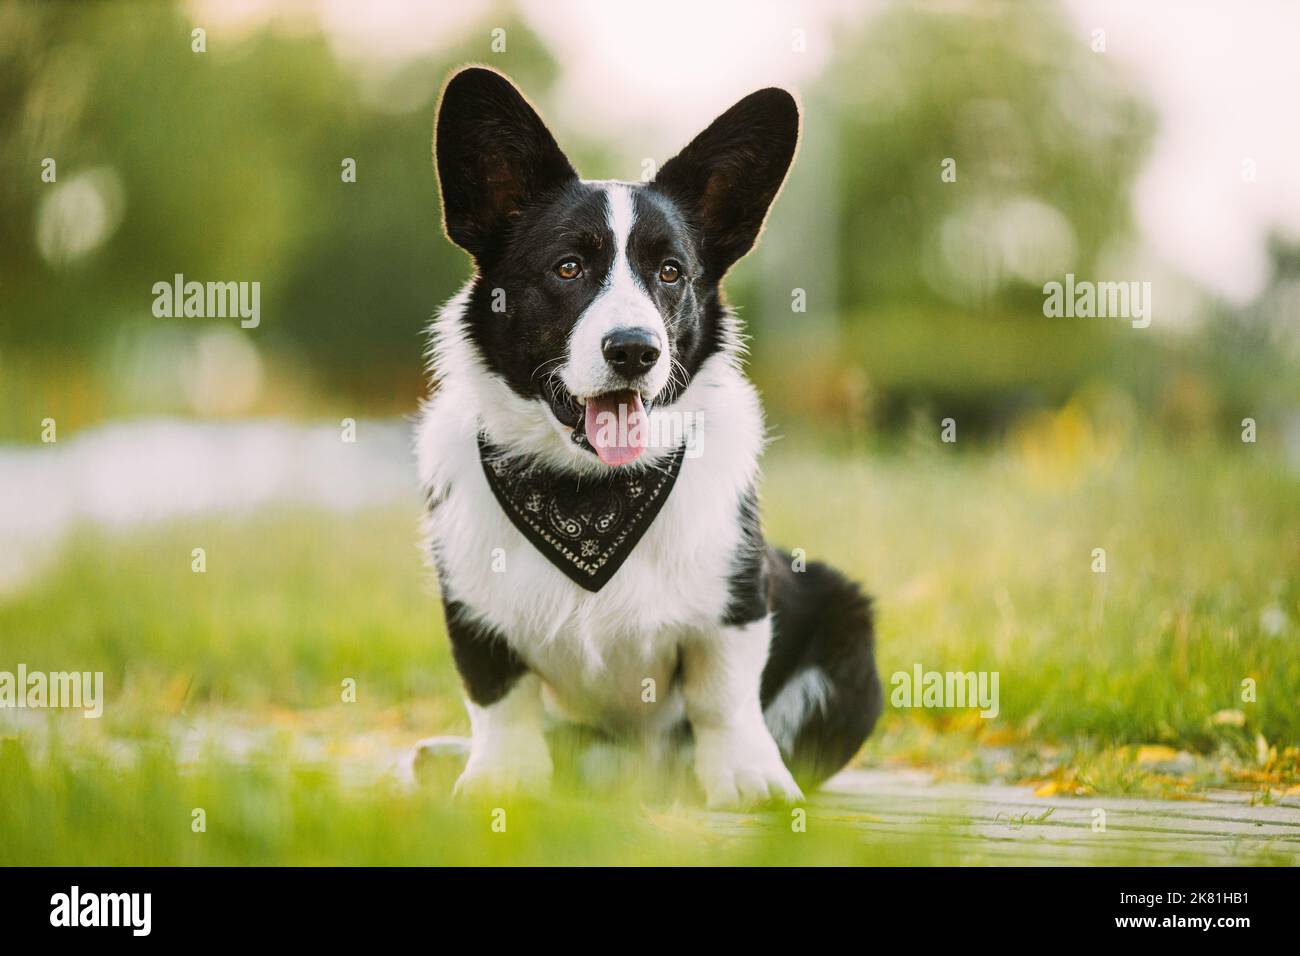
(584, 525)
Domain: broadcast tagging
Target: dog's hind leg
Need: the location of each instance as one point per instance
(821, 694)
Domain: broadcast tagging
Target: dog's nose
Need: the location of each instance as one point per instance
(630, 351)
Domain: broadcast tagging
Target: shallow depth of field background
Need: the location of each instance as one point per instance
(1166, 158)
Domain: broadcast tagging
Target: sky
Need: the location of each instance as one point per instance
(1224, 79)
(1221, 76)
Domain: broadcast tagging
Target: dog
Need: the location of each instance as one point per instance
(599, 562)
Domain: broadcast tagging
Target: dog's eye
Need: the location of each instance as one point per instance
(670, 272)
(569, 269)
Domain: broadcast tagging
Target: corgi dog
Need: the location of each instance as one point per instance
(590, 454)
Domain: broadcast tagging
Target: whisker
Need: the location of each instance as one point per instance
(560, 358)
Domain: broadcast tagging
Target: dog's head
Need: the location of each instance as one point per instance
(595, 301)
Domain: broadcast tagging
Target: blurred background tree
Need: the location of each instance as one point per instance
(925, 296)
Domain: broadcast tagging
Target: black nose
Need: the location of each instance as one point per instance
(630, 351)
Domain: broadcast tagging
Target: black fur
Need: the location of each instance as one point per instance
(727, 177)
(487, 666)
(748, 585)
(495, 157)
(821, 619)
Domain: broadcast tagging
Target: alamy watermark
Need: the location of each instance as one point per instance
(133, 911)
(951, 689)
(1085, 299)
(667, 429)
(72, 690)
(208, 300)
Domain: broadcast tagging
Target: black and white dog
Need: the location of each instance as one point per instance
(599, 561)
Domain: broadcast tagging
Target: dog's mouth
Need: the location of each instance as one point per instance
(613, 425)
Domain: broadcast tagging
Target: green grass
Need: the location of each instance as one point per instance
(980, 560)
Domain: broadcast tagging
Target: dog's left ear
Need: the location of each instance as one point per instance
(727, 177)
(494, 156)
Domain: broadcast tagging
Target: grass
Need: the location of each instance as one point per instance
(269, 811)
(224, 688)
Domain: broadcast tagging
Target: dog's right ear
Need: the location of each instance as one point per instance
(493, 154)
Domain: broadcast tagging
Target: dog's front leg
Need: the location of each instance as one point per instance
(737, 762)
(508, 751)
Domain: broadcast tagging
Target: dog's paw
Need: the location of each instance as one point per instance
(436, 760)
(741, 786)
(739, 770)
(484, 779)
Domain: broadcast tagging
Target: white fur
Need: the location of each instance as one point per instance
(623, 303)
(736, 759)
(807, 692)
(507, 749)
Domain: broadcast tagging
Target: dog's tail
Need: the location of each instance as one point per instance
(821, 693)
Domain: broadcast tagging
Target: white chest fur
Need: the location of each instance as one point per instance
(594, 651)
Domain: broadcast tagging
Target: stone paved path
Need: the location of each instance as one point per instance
(1008, 824)
(975, 823)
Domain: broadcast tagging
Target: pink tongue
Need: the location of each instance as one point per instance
(616, 426)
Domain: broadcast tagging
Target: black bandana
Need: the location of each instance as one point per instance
(584, 525)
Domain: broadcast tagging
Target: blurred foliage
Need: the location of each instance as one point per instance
(227, 166)
(982, 561)
(1031, 116)
(230, 165)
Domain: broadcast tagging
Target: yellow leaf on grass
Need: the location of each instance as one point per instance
(999, 738)
(177, 692)
(679, 823)
(1049, 789)
(1228, 718)
(1156, 753)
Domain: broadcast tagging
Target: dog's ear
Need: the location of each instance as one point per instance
(727, 177)
(494, 155)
